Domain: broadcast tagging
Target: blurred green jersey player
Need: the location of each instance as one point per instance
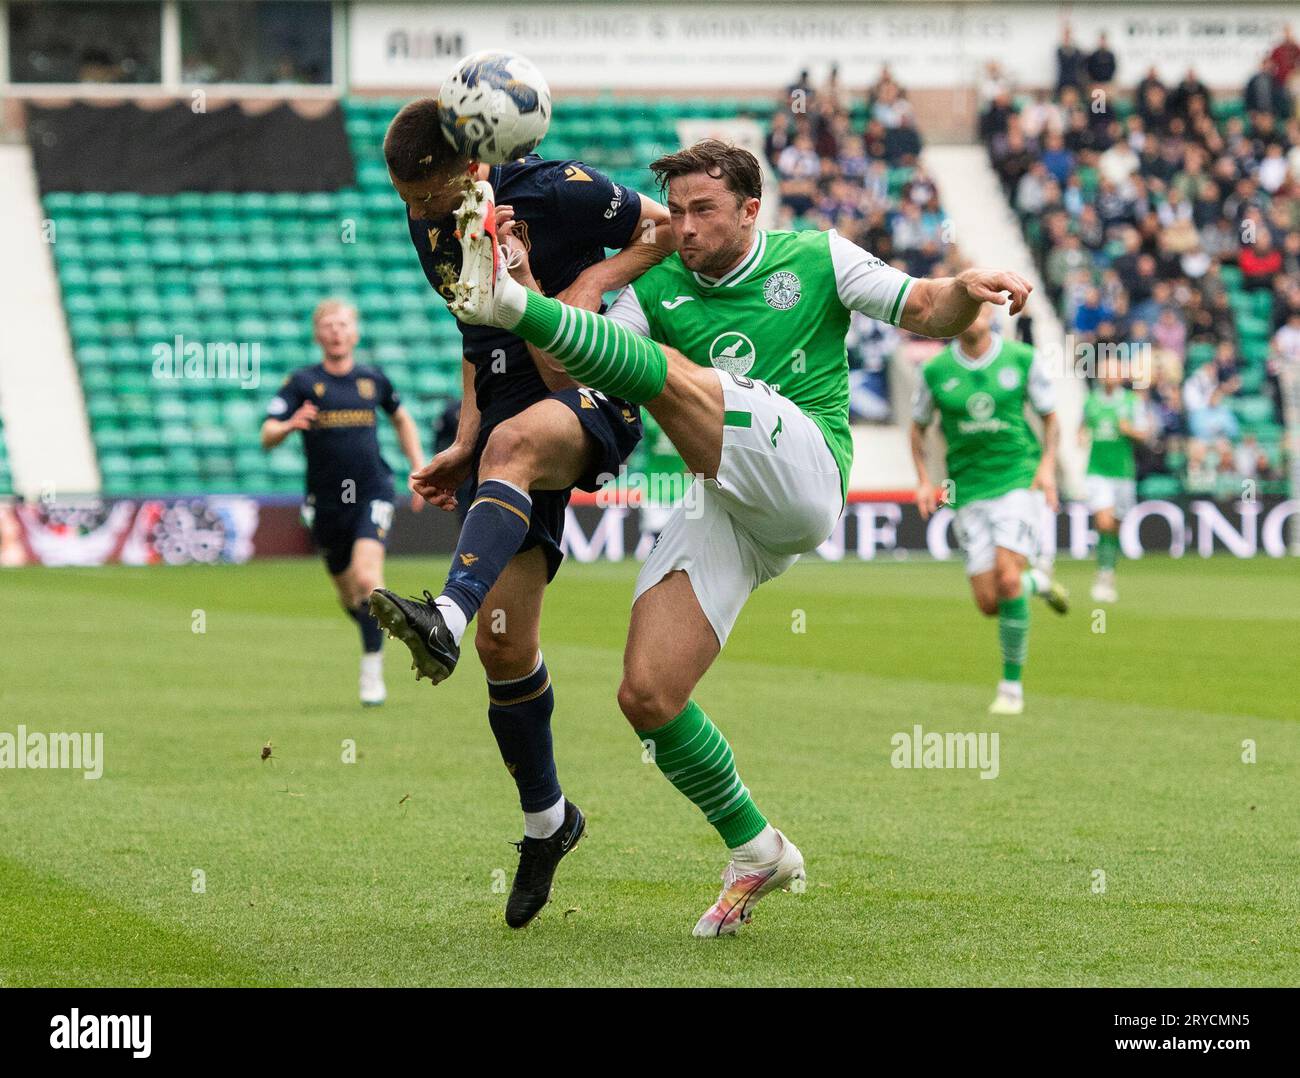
(1114, 420)
(999, 479)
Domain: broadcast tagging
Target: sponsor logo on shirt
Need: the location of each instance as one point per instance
(573, 172)
(673, 304)
(614, 203)
(732, 352)
(1008, 378)
(345, 417)
(980, 406)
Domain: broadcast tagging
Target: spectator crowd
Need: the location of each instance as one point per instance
(1168, 223)
(854, 165)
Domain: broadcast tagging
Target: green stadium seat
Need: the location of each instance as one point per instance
(1160, 487)
(136, 270)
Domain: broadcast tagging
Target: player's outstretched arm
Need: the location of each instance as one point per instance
(438, 481)
(926, 497)
(651, 243)
(275, 431)
(1045, 478)
(944, 306)
(408, 437)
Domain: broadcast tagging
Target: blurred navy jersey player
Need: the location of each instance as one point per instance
(349, 504)
(528, 435)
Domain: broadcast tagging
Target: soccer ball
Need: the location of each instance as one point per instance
(494, 107)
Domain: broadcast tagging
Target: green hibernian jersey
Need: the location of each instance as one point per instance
(779, 316)
(1112, 452)
(981, 405)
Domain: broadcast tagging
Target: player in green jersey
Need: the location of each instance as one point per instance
(998, 479)
(1113, 421)
(751, 385)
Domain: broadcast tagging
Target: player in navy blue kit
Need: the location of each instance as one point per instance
(349, 486)
(528, 436)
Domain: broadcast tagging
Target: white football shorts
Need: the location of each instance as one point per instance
(1010, 521)
(778, 495)
(1109, 492)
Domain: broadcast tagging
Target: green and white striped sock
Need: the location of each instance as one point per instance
(1013, 635)
(597, 351)
(695, 757)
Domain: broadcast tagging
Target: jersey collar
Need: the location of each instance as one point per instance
(974, 363)
(742, 269)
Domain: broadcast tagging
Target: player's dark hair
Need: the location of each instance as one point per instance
(739, 168)
(414, 147)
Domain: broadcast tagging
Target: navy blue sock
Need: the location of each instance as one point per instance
(520, 714)
(494, 528)
(372, 636)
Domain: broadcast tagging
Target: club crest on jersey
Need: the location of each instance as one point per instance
(1008, 378)
(732, 352)
(980, 406)
(366, 387)
(319, 387)
(782, 290)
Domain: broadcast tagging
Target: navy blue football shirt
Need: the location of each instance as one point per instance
(566, 215)
(342, 443)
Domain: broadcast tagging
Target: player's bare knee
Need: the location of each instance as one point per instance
(646, 704)
(1009, 585)
(510, 453)
(987, 603)
(501, 655)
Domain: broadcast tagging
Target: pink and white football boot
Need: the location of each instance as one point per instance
(743, 885)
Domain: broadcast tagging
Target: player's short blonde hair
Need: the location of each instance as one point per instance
(329, 306)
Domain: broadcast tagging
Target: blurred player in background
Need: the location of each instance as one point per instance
(998, 479)
(757, 403)
(1114, 421)
(349, 505)
(528, 435)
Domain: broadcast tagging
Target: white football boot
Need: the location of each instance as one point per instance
(744, 885)
(1010, 699)
(373, 691)
(475, 291)
(1103, 588)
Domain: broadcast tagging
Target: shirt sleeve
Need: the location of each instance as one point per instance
(626, 310)
(590, 203)
(286, 401)
(866, 283)
(922, 401)
(389, 399)
(1042, 393)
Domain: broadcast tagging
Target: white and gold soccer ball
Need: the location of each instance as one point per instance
(494, 106)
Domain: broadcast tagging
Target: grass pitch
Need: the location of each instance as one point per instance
(389, 870)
